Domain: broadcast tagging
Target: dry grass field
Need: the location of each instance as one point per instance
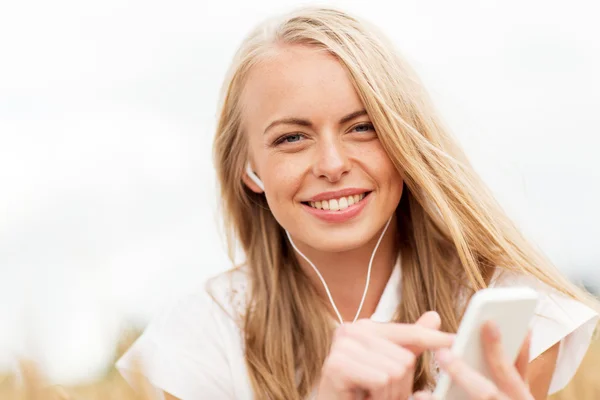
(585, 385)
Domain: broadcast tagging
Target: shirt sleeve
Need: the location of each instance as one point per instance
(558, 318)
(183, 351)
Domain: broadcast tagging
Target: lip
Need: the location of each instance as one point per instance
(339, 216)
(337, 194)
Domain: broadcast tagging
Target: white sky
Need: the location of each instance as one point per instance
(107, 110)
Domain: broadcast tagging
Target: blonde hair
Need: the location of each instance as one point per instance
(453, 233)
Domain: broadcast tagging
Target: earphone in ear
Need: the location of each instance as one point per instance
(254, 177)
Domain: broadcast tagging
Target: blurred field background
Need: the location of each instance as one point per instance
(107, 114)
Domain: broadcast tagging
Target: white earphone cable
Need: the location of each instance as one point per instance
(325, 284)
(260, 184)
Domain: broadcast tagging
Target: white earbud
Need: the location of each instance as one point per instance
(254, 177)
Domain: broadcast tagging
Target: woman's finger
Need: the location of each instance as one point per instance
(413, 337)
(473, 383)
(430, 319)
(395, 363)
(399, 362)
(503, 372)
(344, 377)
(522, 363)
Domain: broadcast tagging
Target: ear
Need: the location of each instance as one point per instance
(250, 182)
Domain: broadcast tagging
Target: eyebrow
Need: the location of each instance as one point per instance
(305, 122)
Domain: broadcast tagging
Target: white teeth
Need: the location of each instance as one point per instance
(343, 203)
(337, 204)
(333, 205)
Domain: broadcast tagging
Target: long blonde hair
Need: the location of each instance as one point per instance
(453, 233)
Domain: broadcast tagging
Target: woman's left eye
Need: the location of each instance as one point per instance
(362, 127)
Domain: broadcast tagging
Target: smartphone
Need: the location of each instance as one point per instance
(512, 309)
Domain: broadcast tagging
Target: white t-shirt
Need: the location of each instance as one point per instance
(193, 349)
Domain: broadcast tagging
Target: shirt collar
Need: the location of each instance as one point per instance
(390, 298)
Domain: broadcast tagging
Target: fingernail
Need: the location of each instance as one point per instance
(443, 357)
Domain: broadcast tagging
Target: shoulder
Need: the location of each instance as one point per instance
(193, 346)
(230, 292)
(559, 319)
(220, 299)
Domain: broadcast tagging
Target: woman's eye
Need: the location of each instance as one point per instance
(297, 137)
(292, 138)
(289, 138)
(364, 127)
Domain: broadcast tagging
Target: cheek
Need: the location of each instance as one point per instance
(283, 183)
(283, 180)
(392, 174)
(276, 171)
(381, 168)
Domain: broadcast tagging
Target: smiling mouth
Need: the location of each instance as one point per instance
(338, 204)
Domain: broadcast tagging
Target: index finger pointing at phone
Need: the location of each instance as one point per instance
(414, 337)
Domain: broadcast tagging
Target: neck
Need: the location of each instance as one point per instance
(346, 272)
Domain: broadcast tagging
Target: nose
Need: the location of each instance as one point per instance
(332, 161)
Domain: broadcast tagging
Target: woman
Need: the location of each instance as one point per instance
(365, 231)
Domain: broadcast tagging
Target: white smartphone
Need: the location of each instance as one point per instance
(512, 309)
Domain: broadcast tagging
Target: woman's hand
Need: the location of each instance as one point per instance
(508, 381)
(377, 360)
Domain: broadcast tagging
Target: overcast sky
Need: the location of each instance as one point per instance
(107, 111)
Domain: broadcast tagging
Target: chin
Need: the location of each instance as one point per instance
(339, 241)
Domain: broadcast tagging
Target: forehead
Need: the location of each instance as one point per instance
(298, 81)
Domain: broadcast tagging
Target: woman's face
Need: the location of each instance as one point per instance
(328, 181)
